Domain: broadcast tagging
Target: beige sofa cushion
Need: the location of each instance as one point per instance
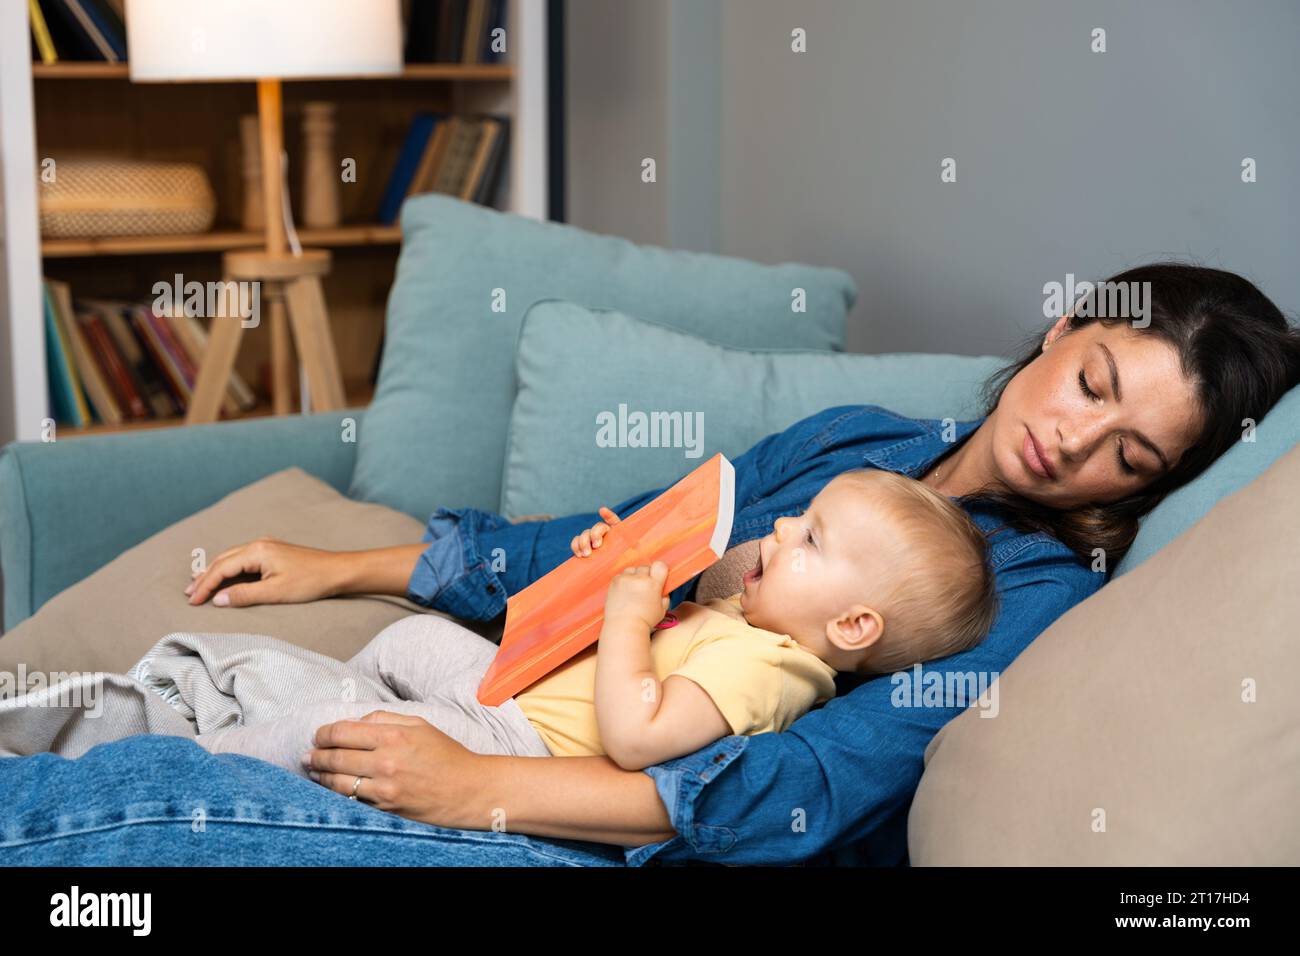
(107, 621)
(1165, 708)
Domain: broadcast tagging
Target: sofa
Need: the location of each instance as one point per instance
(505, 340)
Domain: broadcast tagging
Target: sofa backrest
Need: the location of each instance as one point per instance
(435, 433)
(584, 433)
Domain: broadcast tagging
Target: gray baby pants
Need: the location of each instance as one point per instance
(434, 665)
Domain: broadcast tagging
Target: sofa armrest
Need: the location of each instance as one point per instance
(69, 507)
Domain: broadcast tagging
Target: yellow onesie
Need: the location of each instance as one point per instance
(759, 680)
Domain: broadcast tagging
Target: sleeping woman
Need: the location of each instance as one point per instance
(1081, 437)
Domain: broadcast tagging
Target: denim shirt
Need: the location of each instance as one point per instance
(836, 786)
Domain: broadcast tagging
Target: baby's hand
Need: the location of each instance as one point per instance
(637, 596)
(584, 542)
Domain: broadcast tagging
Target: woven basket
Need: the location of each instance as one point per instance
(125, 197)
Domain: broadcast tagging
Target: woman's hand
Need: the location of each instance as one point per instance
(290, 574)
(406, 765)
(409, 767)
(583, 543)
(637, 597)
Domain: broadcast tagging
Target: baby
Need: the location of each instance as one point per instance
(879, 573)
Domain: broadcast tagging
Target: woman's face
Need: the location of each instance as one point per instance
(1100, 414)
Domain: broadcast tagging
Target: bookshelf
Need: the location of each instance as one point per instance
(81, 108)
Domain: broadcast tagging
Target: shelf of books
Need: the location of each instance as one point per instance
(448, 123)
(114, 365)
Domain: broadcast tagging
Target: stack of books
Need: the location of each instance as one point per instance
(456, 155)
(115, 362)
(454, 31)
(78, 30)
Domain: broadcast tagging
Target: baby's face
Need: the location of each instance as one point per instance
(814, 567)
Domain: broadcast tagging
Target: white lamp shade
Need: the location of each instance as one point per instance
(262, 39)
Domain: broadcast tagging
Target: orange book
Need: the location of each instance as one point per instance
(560, 614)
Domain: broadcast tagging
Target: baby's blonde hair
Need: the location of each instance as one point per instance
(941, 597)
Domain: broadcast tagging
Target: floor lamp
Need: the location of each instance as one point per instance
(232, 40)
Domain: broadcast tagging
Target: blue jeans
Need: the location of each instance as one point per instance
(164, 801)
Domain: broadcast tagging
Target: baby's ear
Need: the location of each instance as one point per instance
(856, 629)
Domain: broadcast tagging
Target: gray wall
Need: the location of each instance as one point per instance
(1067, 160)
(616, 69)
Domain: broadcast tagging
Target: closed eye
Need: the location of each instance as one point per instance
(807, 531)
(1123, 462)
(1124, 465)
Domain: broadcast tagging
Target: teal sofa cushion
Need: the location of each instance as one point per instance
(435, 433)
(576, 366)
(1274, 435)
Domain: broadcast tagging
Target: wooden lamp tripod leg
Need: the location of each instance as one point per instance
(311, 332)
(218, 362)
(281, 349)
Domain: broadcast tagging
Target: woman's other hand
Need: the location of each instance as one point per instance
(582, 544)
(409, 767)
(290, 574)
(406, 765)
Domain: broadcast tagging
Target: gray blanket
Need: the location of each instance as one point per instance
(187, 684)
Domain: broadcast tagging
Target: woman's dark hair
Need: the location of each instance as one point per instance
(1234, 345)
